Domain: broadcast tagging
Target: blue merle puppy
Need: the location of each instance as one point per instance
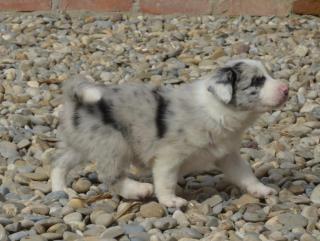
(172, 131)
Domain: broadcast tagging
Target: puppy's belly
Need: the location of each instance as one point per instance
(201, 161)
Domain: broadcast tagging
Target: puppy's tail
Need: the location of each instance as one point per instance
(80, 89)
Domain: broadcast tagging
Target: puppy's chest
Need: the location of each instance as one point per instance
(217, 143)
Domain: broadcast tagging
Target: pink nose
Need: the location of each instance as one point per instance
(284, 89)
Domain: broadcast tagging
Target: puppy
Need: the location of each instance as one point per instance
(172, 131)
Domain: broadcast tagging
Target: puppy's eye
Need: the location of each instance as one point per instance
(258, 81)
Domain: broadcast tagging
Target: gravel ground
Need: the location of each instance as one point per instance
(38, 52)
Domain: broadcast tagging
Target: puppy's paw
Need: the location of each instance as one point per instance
(261, 191)
(137, 191)
(173, 201)
(145, 190)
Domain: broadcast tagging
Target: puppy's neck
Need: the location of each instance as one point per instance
(227, 117)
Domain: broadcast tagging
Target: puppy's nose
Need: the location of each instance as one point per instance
(284, 89)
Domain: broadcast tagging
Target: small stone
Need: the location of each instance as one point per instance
(33, 84)
(244, 200)
(69, 236)
(13, 227)
(257, 216)
(251, 237)
(10, 74)
(3, 234)
(54, 196)
(105, 219)
(112, 232)
(307, 237)
(57, 228)
(239, 48)
(213, 201)
(219, 52)
(132, 228)
(34, 238)
(301, 51)
(40, 209)
(23, 143)
(10, 210)
(82, 185)
(286, 221)
(76, 203)
(72, 217)
(52, 236)
(152, 209)
(185, 232)
(139, 236)
(36, 176)
(315, 195)
(19, 235)
(8, 149)
(181, 218)
(44, 187)
(106, 76)
(165, 223)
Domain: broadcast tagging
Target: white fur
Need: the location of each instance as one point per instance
(91, 95)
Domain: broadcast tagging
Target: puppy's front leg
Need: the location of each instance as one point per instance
(165, 176)
(239, 172)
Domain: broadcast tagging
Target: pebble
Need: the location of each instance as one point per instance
(165, 223)
(286, 221)
(152, 209)
(315, 195)
(3, 234)
(181, 218)
(301, 51)
(132, 228)
(112, 232)
(307, 237)
(82, 185)
(185, 232)
(19, 235)
(104, 219)
(258, 216)
(54, 196)
(76, 203)
(8, 149)
(244, 200)
(72, 217)
(213, 201)
(40, 209)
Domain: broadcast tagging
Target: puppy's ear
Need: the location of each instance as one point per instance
(224, 83)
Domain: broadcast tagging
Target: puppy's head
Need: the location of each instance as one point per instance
(246, 85)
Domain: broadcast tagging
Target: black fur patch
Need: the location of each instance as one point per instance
(105, 109)
(107, 117)
(258, 81)
(229, 75)
(162, 108)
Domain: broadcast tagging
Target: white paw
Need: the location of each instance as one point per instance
(260, 190)
(139, 191)
(145, 190)
(173, 201)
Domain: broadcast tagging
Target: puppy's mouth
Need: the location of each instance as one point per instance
(282, 101)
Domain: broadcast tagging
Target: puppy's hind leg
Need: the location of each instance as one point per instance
(112, 166)
(61, 168)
